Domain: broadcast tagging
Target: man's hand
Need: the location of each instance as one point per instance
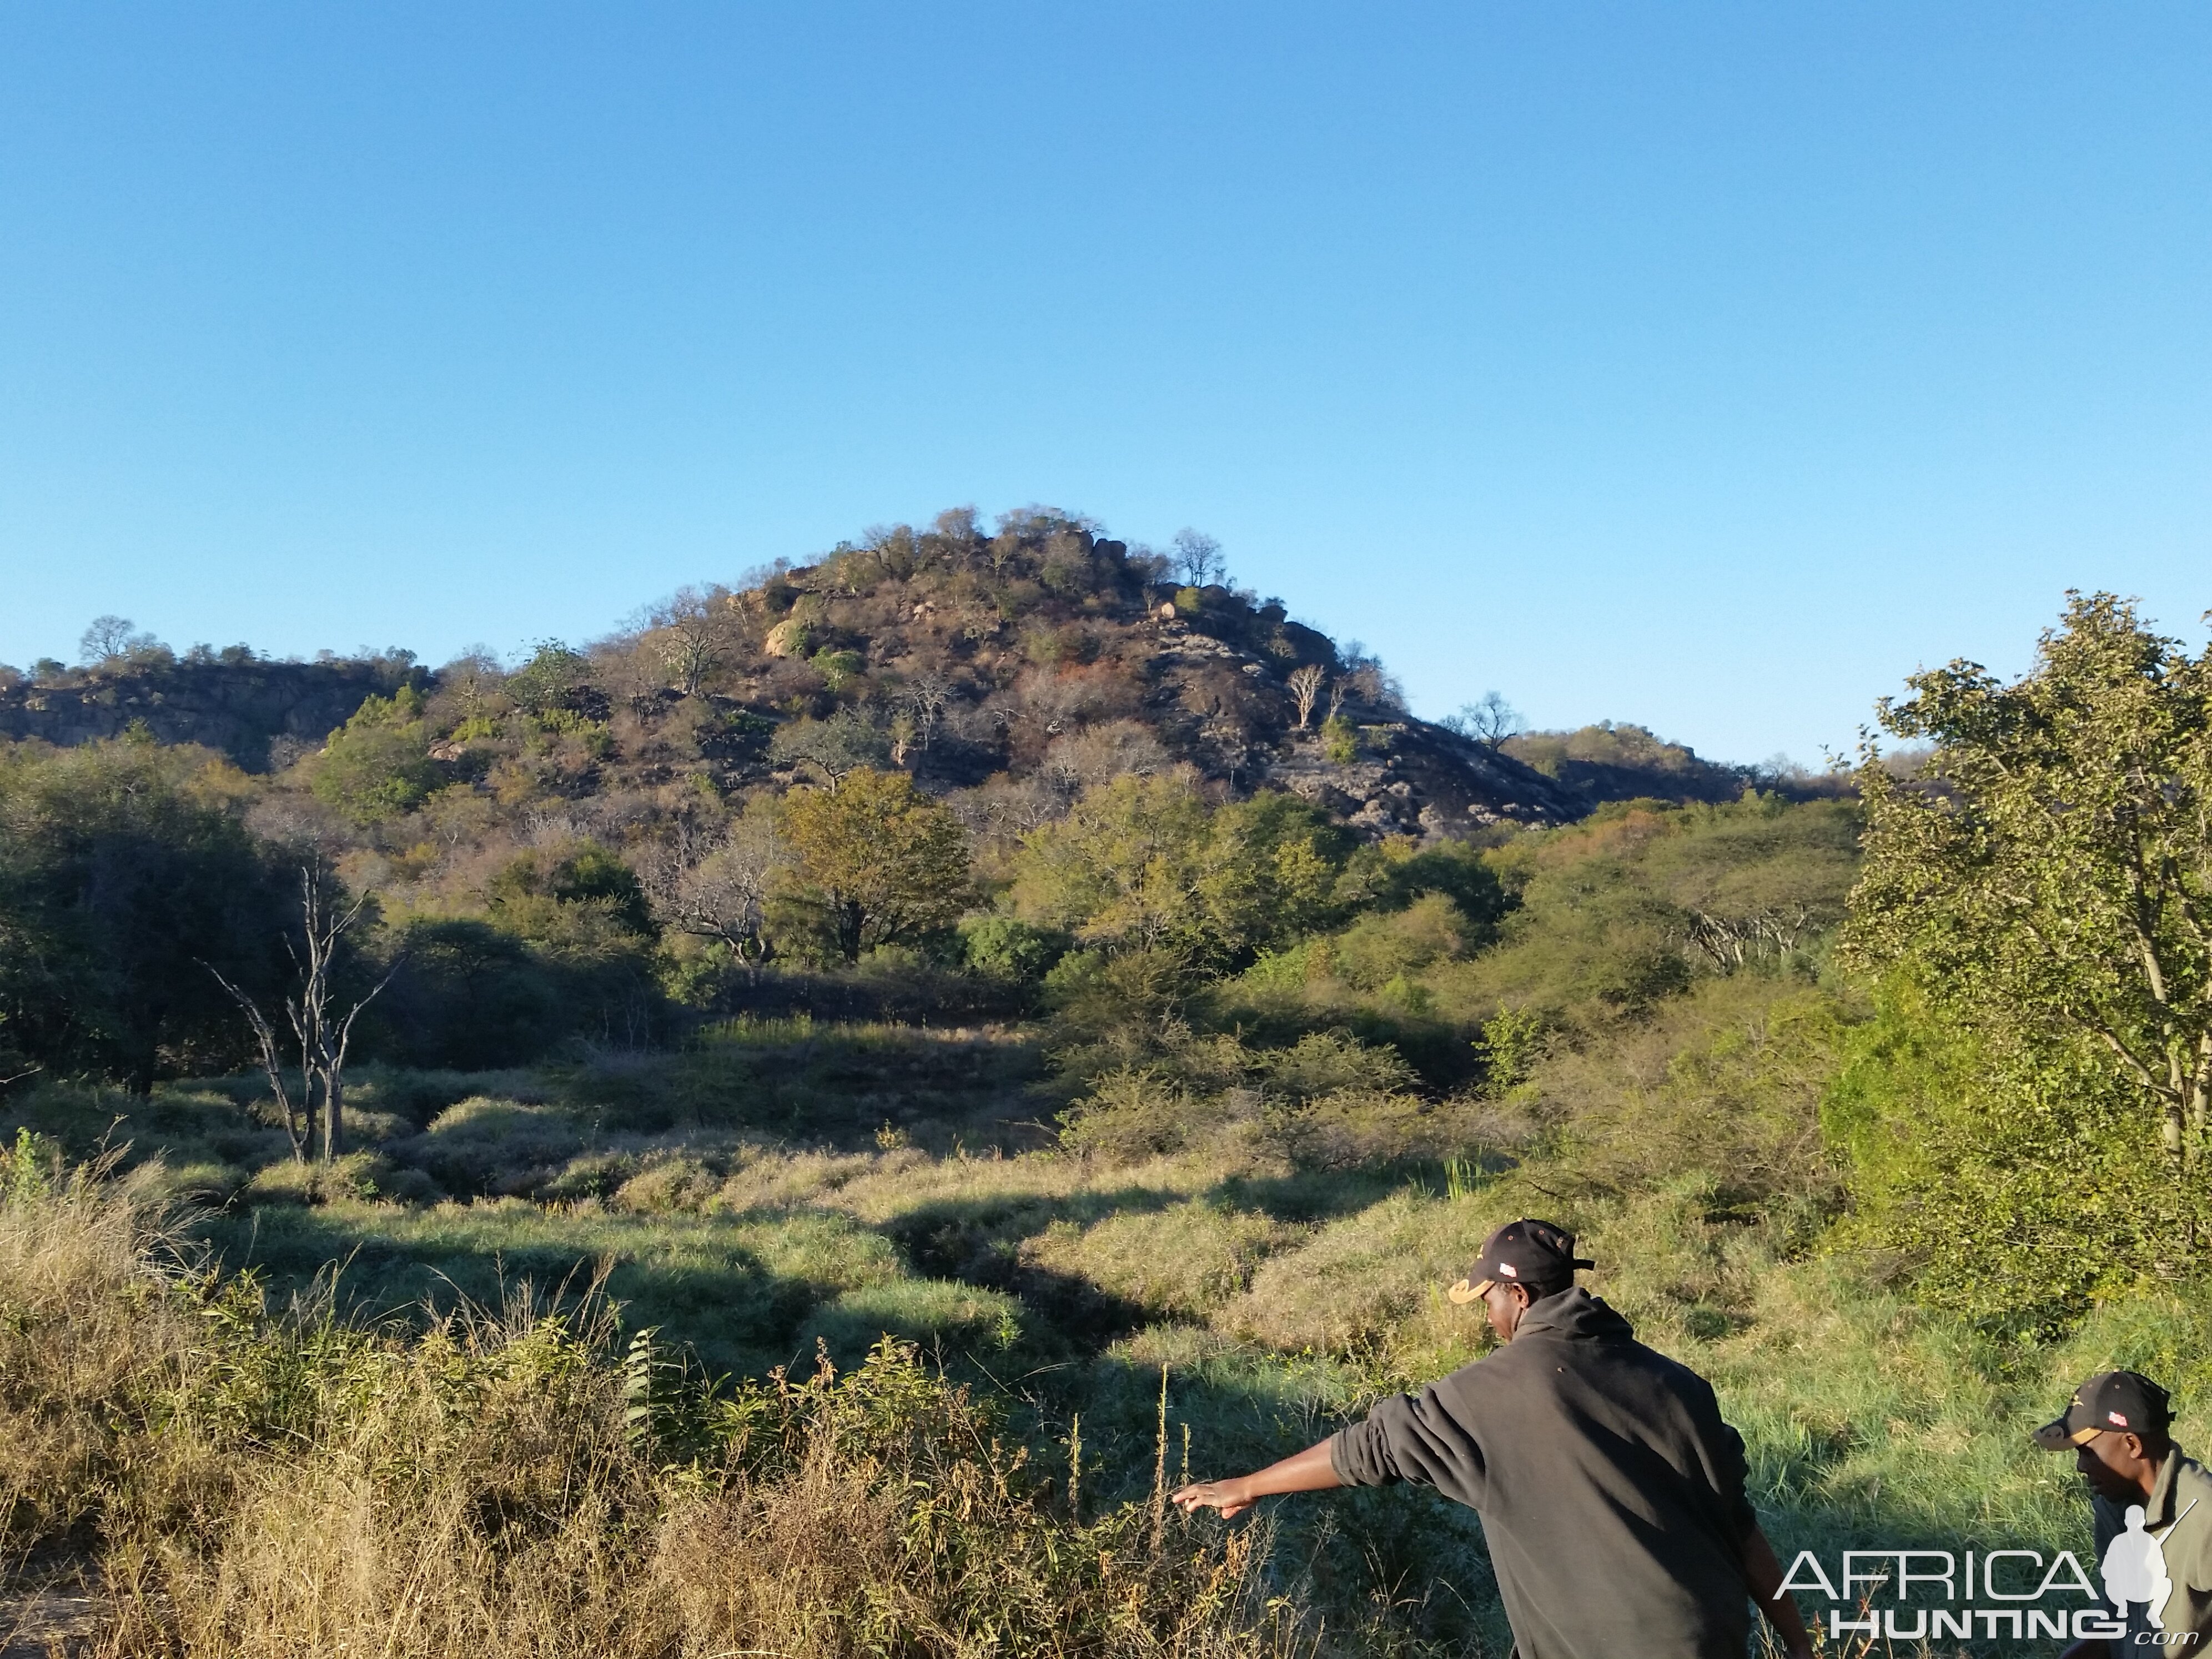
(1232, 1497)
(1309, 1471)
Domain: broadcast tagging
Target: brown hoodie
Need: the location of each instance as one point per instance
(1610, 1491)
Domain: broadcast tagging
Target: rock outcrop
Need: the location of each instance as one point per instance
(252, 711)
(1404, 776)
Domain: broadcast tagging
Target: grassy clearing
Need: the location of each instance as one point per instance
(1284, 1279)
(223, 1482)
(736, 1287)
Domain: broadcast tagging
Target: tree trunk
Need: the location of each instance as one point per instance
(333, 1116)
(851, 921)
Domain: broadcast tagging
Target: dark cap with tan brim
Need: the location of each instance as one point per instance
(1536, 1254)
(2111, 1402)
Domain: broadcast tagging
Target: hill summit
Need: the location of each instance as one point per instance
(1010, 671)
(1005, 671)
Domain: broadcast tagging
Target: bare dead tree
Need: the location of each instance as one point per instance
(1489, 722)
(1305, 685)
(1198, 556)
(322, 1036)
(717, 888)
(927, 693)
(472, 677)
(108, 638)
(692, 635)
(297, 1127)
(1729, 941)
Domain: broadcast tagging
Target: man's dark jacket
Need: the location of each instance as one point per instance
(1610, 1491)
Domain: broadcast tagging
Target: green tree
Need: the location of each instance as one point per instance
(875, 862)
(1268, 875)
(1121, 868)
(2018, 1185)
(587, 918)
(2051, 876)
(1757, 877)
(554, 678)
(1144, 863)
(377, 765)
(583, 874)
(1004, 948)
(471, 995)
(123, 870)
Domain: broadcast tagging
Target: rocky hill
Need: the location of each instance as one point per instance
(1006, 672)
(1010, 671)
(260, 713)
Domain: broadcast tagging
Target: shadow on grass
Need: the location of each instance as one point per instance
(978, 1241)
(826, 1085)
(735, 1293)
(1309, 1195)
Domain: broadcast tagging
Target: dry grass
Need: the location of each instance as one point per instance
(87, 1319)
(238, 1483)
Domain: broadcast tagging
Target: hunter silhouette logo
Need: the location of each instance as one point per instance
(2134, 1567)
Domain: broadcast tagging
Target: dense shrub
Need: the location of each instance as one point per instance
(124, 873)
(377, 765)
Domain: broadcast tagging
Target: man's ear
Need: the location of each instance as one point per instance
(2134, 1443)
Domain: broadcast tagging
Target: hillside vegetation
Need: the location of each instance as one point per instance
(807, 1186)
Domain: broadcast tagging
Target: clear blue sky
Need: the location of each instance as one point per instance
(1710, 367)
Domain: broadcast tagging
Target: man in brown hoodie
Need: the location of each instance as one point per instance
(1611, 1492)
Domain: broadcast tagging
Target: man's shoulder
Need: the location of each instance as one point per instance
(1631, 1353)
(2192, 1485)
(2187, 1546)
(1616, 1354)
(2191, 1478)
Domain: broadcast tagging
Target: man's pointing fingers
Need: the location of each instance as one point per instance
(1212, 1495)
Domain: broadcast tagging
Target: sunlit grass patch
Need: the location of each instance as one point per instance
(508, 1483)
(1185, 1261)
(484, 1144)
(943, 1316)
(1365, 1276)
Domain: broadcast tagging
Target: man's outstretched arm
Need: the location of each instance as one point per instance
(1311, 1470)
(1765, 1572)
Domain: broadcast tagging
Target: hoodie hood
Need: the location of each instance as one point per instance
(1574, 1315)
